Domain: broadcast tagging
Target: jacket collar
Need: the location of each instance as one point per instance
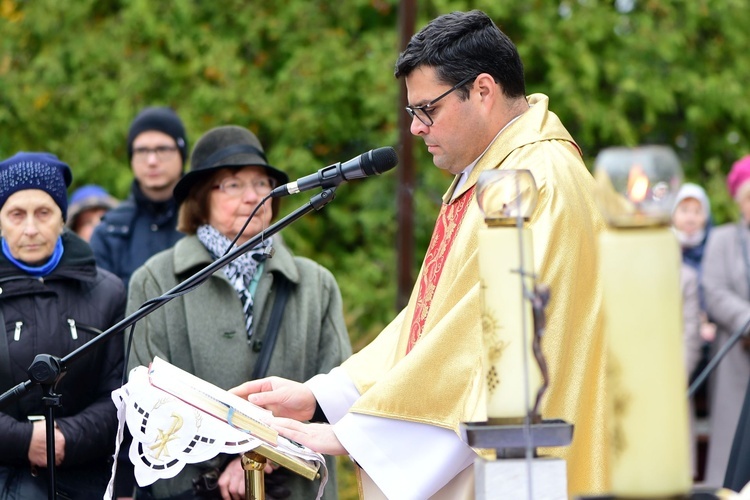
(156, 208)
(535, 125)
(190, 256)
(77, 261)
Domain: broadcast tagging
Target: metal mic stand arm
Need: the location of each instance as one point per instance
(742, 331)
(47, 370)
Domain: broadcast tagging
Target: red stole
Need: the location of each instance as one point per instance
(445, 231)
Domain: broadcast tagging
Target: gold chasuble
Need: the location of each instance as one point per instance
(427, 364)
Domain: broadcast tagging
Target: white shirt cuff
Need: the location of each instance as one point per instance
(334, 392)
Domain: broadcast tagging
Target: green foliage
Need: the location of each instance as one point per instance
(314, 80)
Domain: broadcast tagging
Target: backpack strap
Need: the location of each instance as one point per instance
(272, 331)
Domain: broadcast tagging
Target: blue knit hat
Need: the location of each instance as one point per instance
(36, 171)
(88, 197)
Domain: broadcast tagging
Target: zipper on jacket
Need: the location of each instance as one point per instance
(17, 332)
(73, 331)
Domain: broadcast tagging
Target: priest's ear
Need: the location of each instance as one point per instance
(486, 86)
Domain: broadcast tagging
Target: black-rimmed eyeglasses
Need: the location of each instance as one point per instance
(422, 112)
(140, 155)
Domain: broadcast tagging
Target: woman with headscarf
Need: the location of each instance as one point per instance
(691, 223)
(53, 299)
(218, 331)
(726, 285)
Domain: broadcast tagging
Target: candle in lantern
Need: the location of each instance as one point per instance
(507, 197)
(639, 262)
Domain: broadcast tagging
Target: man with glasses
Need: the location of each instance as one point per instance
(145, 223)
(396, 406)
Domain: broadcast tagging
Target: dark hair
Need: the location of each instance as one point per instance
(460, 45)
(194, 209)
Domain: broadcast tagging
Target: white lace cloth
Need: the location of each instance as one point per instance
(169, 433)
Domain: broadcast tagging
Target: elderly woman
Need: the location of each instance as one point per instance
(222, 330)
(52, 300)
(726, 285)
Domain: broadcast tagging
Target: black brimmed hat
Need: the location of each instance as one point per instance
(224, 147)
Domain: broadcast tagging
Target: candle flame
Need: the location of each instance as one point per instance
(637, 184)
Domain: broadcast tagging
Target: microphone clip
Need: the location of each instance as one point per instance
(266, 254)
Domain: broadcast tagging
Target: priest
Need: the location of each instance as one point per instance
(396, 406)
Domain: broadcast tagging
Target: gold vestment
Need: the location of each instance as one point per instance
(441, 380)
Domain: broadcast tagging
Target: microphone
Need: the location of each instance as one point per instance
(374, 162)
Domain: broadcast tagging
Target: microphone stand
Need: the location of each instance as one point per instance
(47, 370)
(742, 331)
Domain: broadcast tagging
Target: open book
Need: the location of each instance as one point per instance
(237, 412)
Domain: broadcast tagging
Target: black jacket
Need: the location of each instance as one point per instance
(738, 468)
(134, 231)
(56, 315)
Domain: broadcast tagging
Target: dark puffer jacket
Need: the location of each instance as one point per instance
(56, 315)
(134, 231)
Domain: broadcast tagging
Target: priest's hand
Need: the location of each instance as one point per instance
(317, 437)
(285, 398)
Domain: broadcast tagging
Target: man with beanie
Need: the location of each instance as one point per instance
(145, 223)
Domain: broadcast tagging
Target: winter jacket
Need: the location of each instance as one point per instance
(203, 332)
(726, 283)
(134, 231)
(56, 315)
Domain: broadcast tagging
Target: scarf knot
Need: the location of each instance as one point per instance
(240, 271)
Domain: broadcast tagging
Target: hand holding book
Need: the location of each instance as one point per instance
(285, 398)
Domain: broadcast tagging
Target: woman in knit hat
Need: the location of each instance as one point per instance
(223, 330)
(53, 299)
(726, 285)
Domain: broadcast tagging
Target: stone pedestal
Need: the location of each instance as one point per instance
(508, 478)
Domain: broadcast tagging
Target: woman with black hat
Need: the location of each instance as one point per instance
(53, 299)
(221, 331)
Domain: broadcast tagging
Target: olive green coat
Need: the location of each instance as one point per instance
(203, 332)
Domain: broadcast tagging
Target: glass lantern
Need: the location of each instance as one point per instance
(505, 196)
(637, 186)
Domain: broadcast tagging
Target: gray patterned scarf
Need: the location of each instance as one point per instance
(240, 271)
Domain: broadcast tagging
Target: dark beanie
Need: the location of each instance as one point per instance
(163, 120)
(36, 171)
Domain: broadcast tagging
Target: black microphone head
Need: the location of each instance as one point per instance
(377, 161)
